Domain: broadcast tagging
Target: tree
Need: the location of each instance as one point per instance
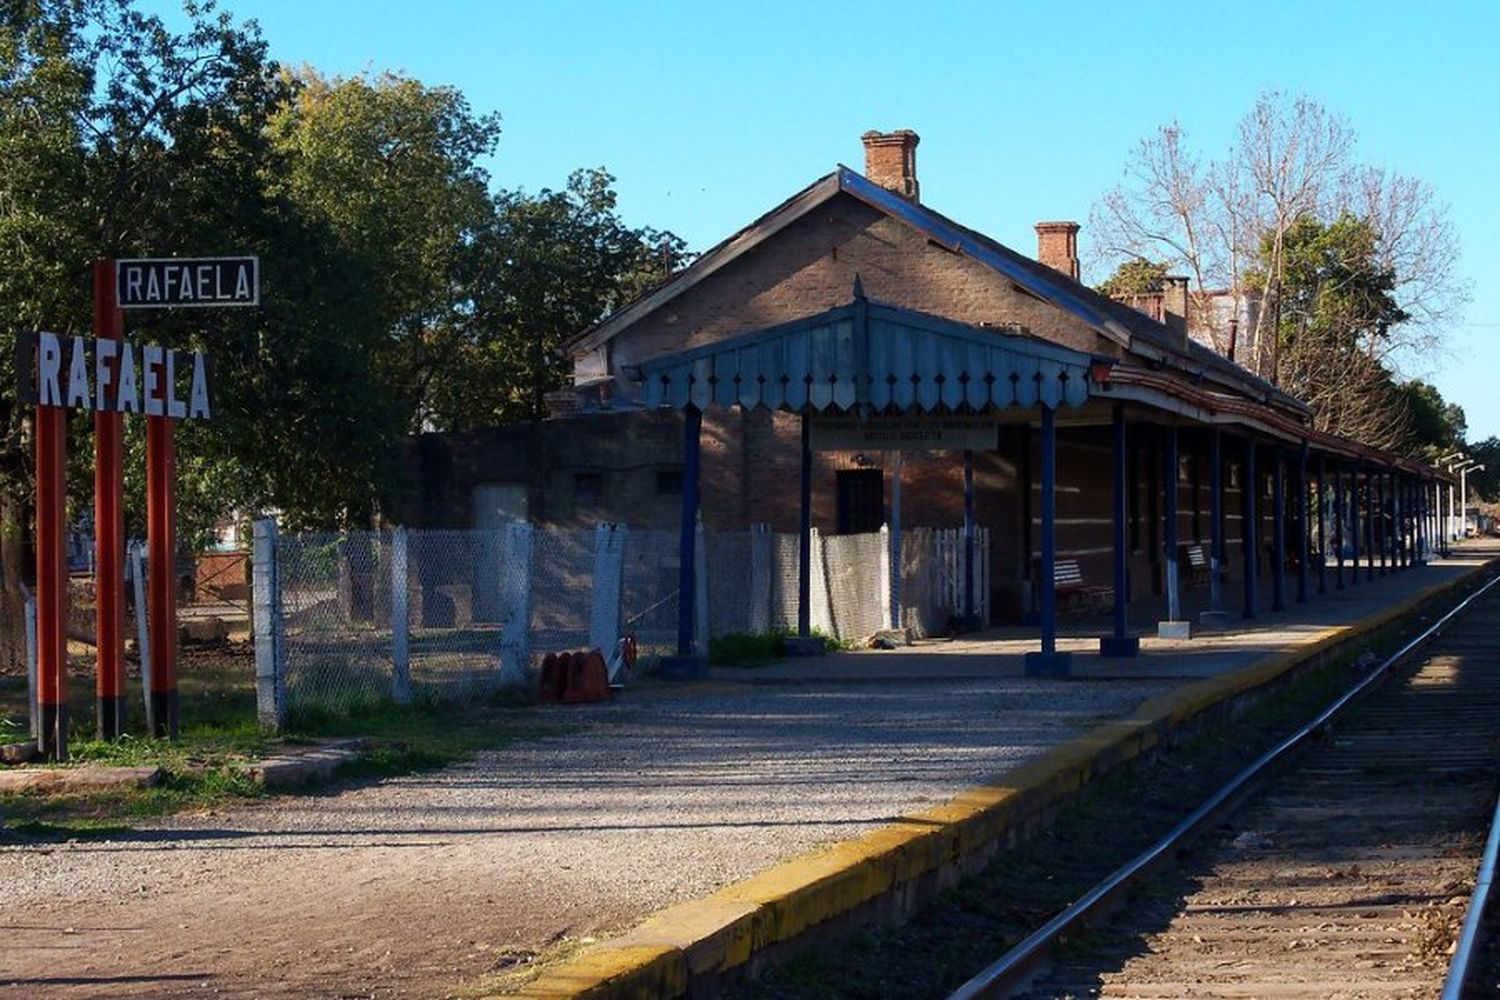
(1436, 427)
(546, 266)
(1334, 297)
(1485, 485)
(1135, 276)
(1221, 220)
(390, 167)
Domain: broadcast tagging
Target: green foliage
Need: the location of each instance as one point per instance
(545, 267)
(1136, 276)
(1333, 285)
(1437, 427)
(1485, 485)
(398, 291)
(1334, 308)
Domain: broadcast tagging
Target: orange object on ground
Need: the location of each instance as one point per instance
(588, 678)
(552, 679)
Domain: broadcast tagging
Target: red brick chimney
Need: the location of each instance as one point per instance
(1057, 246)
(891, 161)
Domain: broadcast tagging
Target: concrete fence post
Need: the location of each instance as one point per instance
(400, 619)
(887, 585)
(761, 541)
(137, 557)
(822, 609)
(609, 566)
(33, 709)
(515, 606)
(270, 646)
(700, 594)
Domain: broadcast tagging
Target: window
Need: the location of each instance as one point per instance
(669, 483)
(588, 486)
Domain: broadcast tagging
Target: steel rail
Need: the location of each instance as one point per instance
(1010, 969)
(1467, 946)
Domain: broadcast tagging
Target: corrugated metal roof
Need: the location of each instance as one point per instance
(875, 355)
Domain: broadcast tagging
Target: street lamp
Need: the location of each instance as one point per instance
(1449, 460)
(1466, 467)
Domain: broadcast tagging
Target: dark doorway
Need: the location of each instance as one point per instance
(861, 501)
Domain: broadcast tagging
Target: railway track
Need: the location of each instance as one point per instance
(1346, 874)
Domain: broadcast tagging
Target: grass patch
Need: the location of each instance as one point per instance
(753, 649)
(746, 649)
(219, 731)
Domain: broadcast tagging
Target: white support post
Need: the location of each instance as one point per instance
(137, 555)
(700, 596)
(884, 576)
(400, 619)
(270, 648)
(515, 597)
(33, 710)
(761, 541)
(609, 566)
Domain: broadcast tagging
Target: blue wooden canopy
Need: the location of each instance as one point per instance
(874, 355)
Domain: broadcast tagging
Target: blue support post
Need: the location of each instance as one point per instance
(971, 615)
(804, 537)
(1322, 524)
(1049, 662)
(1250, 532)
(1340, 527)
(1370, 498)
(1278, 525)
(1383, 541)
(1304, 533)
(1392, 539)
(687, 556)
(1215, 614)
(1363, 538)
(1397, 516)
(1169, 495)
(1419, 510)
(1120, 643)
(896, 541)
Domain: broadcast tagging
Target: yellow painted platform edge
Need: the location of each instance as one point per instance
(719, 932)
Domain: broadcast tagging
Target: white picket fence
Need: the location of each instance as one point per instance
(347, 619)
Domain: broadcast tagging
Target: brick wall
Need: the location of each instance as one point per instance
(810, 266)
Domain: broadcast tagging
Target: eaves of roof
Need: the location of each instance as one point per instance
(1112, 320)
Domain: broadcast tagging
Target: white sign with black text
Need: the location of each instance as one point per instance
(118, 376)
(196, 282)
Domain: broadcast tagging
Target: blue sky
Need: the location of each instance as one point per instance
(710, 113)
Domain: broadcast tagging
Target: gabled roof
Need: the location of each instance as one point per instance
(867, 354)
(1113, 320)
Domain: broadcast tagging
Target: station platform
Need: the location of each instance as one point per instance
(1210, 652)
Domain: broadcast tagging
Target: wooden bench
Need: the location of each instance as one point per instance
(1072, 592)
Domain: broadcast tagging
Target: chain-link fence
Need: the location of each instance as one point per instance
(349, 619)
(337, 641)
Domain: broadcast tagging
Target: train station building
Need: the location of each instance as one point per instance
(854, 358)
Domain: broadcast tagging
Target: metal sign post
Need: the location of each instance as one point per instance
(155, 283)
(110, 376)
(109, 522)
